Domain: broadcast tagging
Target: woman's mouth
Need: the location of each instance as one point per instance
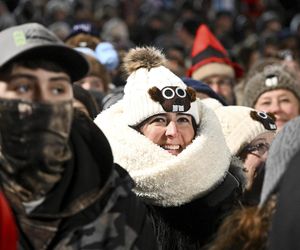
(172, 149)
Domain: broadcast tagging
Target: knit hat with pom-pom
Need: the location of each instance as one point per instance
(153, 89)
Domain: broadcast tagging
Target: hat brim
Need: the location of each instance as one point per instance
(75, 65)
(236, 67)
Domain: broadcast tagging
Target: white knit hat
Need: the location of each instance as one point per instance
(241, 125)
(152, 88)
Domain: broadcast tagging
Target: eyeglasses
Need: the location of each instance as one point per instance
(259, 149)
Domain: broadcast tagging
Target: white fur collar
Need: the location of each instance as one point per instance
(162, 178)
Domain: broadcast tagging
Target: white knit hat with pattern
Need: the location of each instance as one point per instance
(152, 88)
(241, 125)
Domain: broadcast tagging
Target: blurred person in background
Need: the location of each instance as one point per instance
(176, 59)
(185, 31)
(102, 57)
(203, 91)
(7, 19)
(273, 89)
(212, 65)
(61, 29)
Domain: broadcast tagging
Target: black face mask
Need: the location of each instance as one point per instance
(34, 143)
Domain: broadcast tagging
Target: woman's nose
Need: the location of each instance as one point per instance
(171, 129)
(274, 107)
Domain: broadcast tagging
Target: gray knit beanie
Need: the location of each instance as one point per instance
(285, 145)
(272, 77)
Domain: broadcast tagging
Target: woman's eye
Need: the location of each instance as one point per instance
(266, 103)
(183, 120)
(263, 147)
(159, 120)
(284, 100)
(260, 145)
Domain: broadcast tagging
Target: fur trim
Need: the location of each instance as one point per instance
(162, 178)
(211, 69)
(146, 57)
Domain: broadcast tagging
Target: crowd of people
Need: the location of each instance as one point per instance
(170, 125)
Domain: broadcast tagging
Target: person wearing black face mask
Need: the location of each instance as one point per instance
(56, 166)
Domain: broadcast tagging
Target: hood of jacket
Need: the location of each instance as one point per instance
(161, 178)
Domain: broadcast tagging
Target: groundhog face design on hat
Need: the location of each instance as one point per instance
(266, 119)
(172, 98)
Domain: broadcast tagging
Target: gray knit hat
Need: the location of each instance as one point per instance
(285, 145)
(272, 77)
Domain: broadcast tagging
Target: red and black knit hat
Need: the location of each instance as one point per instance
(209, 57)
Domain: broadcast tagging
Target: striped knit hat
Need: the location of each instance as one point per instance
(210, 57)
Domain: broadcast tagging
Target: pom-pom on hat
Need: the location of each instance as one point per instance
(152, 89)
(272, 77)
(210, 57)
(241, 125)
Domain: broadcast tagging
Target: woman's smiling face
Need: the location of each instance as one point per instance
(172, 131)
(281, 102)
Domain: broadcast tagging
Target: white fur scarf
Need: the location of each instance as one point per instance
(162, 178)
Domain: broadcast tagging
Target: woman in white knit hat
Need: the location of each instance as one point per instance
(273, 223)
(249, 134)
(174, 149)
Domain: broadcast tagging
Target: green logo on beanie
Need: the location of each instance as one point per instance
(19, 38)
